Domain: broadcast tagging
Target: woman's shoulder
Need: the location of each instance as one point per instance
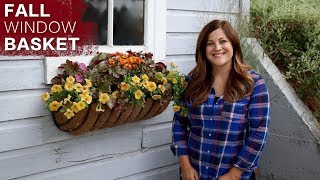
(260, 85)
(255, 76)
(189, 76)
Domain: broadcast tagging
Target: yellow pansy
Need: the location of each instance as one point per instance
(140, 84)
(86, 98)
(55, 88)
(78, 87)
(54, 105)
(81, 105)
(138, 94)
(145, 84)
(70, 79)
(184, 84)
(135, 79)
(156, 97)
(88, 83)
(145, 77)
(84, 89)
(124, 86)
(69, 86)
(159, 75)
(45, 96)
(164, 80)
(104, 98)
(85, 94)
(176, 108)
(75, 107)
(69, 113)
(174, 81)
(171, 64)
(162, 88)
(115, 94)
(151, 86)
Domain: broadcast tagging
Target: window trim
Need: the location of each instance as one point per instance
(154, 39)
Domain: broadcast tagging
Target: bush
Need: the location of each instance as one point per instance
(289, 31)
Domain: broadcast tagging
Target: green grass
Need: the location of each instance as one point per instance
(289, 31)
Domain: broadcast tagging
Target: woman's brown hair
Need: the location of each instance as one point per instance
(239, 83)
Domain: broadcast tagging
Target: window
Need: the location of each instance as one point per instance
(128, 25)
(137, 25)
(124, 17)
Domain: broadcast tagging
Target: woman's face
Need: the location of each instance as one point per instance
(219, 49)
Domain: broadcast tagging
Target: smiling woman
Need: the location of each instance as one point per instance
(227, 126)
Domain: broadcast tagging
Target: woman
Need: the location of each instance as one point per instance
(228, 104)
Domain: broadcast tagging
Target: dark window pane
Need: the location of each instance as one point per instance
(128, 23)
(97, 12)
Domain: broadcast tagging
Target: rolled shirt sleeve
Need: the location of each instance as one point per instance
(259, 118)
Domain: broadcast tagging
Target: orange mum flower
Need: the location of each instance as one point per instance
(140, 61)
(130, 60)
(122, 61)
(127, 66)
(111, 62)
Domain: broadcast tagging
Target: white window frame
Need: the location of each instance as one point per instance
(154, 38)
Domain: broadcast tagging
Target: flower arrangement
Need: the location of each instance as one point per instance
(71, 93)
(113, 81)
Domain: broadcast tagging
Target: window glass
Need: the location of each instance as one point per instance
(128, 22)
(96, 13)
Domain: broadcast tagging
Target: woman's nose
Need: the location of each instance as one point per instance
(217, 47)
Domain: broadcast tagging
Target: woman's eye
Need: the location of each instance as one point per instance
(223, 41)
(209, 44)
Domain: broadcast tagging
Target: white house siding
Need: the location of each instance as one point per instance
(31, 147)
(185, 19)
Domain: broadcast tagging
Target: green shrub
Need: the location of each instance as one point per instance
(289, 31)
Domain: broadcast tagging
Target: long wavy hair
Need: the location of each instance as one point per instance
(238, 85)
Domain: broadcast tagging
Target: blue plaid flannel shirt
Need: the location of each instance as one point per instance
(215, 136)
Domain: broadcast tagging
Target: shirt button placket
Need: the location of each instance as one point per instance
(207, 168)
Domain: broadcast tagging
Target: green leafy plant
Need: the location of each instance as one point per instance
(290, 34)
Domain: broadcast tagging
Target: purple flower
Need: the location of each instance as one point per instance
(79, 78)
(160, 66)
(83, 67)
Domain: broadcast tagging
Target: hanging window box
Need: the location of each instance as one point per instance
(114, 89)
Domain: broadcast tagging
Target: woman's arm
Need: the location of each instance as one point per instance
(180, 133)
(179, 146)
(188, 172)
(233, 174)
(259, 118)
